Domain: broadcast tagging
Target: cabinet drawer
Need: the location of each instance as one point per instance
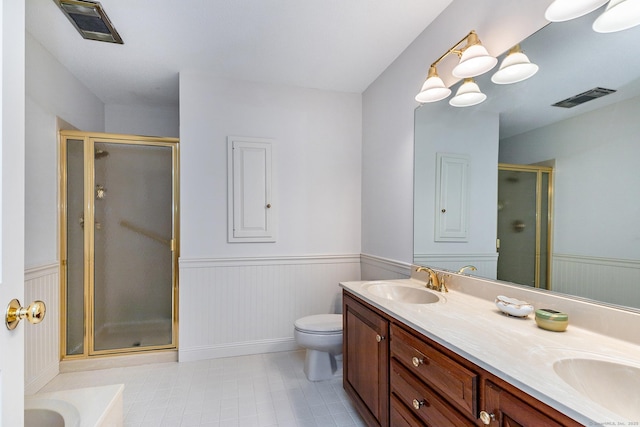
(452, 380)
(423, 402)
(401, 416)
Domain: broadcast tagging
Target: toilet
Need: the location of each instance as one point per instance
(321, 335)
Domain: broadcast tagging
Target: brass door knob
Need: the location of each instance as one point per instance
(379, 338)
(15, 313)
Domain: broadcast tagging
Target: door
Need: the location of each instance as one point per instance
(12, 136)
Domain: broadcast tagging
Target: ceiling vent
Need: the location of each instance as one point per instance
(90, 20)
(583, 97)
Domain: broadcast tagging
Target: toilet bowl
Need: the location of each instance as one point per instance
(321, 335)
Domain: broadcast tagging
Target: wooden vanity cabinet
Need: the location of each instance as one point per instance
(398, 377)
(366, 360)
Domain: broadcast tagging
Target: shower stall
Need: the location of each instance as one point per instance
(119, 243)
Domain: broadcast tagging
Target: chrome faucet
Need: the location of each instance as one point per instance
(433, 283)
(470, 267)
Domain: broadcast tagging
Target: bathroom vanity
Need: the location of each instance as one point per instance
(458, 362)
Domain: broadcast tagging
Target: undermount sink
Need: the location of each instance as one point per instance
(612, 385)
(401, 293)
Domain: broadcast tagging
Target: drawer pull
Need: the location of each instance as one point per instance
(486, 417)
(379, 338)
(417, 361)
(417, 404)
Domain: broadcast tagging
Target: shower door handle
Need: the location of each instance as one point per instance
(81, 221)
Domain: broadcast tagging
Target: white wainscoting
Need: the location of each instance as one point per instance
(487, 264)
(616, 281)
(377, 268)
(42, 341)
(231, 307)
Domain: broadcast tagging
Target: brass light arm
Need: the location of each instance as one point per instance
(471, 39)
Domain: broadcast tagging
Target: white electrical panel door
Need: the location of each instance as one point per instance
(452, 198)
(251, 205)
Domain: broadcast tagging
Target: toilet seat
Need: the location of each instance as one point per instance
(320, 324)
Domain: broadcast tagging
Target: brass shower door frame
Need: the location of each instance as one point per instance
(89, 139)
(539, 170)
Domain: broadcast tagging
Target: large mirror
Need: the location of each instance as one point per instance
(593, 149)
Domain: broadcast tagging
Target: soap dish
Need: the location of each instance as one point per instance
(551, 320)
(513, 307)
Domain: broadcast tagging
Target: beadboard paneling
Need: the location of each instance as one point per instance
(42, 341)
(615, 281)
(487, 264)
(239, 306)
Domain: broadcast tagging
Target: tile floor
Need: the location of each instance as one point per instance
(247, 391)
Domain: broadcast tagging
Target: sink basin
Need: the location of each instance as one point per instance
(612, 385)
(401, 293)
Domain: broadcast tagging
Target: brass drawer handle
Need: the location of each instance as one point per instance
(417, 404)
(417, 361)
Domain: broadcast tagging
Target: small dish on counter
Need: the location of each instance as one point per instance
(513, 307)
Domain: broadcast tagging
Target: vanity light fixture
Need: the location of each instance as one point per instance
(468, 94)
(474, 60)
(619, 14)
(515, 68)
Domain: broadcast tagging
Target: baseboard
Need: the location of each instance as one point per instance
(236, 349)
(118, 361)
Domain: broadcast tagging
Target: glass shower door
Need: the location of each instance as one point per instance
(133, 238)
(523, 224)
(118, 243)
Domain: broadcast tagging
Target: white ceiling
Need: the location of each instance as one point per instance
(325, 44)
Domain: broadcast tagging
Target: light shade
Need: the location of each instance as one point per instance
(468, 94)
(564, 10)
(475, 60)
(433, 88)
(619, 15)
(516, 67)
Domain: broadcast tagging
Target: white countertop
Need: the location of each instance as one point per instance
(513, 349)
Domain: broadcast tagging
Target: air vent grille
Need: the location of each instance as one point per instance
(583, 97)
(90, 20)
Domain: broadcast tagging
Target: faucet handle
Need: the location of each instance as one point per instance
(443, 285)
